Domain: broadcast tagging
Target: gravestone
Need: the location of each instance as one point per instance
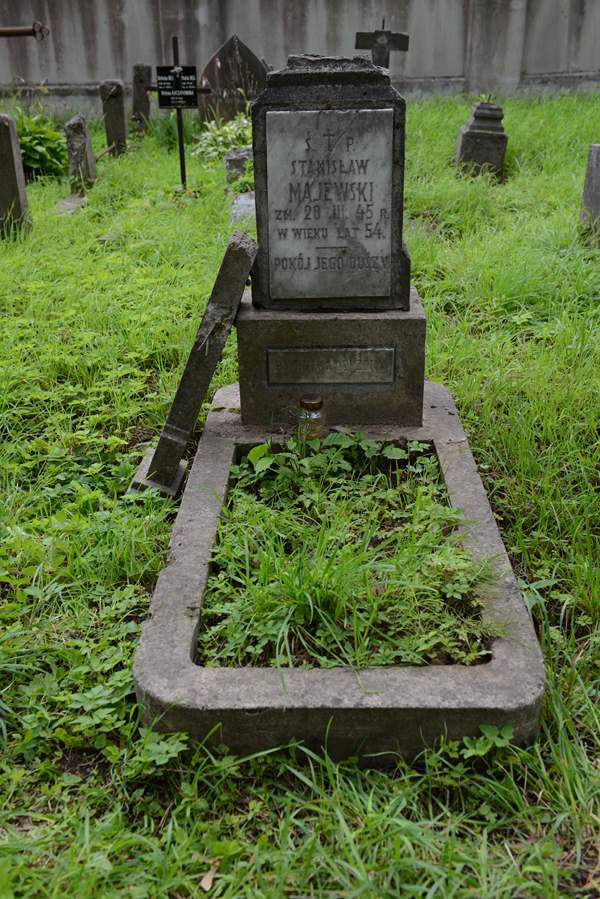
(482, 141)
(232, 77)
(13, 195)
(141, 82)
(164, 468)
(329, 133)
(82, 162)
(590, 204)
(331, 302)
(112, 94)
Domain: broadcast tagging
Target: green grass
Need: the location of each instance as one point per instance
(93, 340)
(341, 551)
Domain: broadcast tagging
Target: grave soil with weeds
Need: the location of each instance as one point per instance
(93, 340)
(341, 551)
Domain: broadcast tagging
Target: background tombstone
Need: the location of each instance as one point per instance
(112, 94)
(590, 205)
(82, 162)
(482, 141)
(13, 195)
(235, 162)
(234, 75)
(142, 79)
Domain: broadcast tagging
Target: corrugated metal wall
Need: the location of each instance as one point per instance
(477, 45)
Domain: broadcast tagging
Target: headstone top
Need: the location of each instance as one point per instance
(233, 76)
(310, 67)
(487, 117)
(82, 162)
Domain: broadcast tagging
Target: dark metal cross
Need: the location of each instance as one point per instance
(380, 42)
(37, 30)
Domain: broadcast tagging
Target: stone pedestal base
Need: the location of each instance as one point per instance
(367, 366)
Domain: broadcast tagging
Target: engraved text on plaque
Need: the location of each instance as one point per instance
(329, 175)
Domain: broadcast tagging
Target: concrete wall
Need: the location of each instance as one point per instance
(499, 46)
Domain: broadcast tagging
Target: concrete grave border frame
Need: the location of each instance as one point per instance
(373, 712)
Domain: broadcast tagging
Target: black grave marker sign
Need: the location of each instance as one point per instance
(177, 87)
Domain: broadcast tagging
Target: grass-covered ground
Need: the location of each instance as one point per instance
(93, 339)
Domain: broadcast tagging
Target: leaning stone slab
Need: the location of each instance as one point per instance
(82, 162)
(482, 141)
(13, 194)
(374, 713)
(164, 468)
(112, 94)
(590, 205)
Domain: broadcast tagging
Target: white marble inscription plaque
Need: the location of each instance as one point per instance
(329, 177)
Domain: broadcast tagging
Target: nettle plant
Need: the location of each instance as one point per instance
(217, 137)
(342, 551)
(43, 146)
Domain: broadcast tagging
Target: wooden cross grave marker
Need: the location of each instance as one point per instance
(380, 42)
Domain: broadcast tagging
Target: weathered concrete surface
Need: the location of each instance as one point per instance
(378, 710)
(482, 141)
(164, 470)
(13, 194)
(480, 45)
(590, 204)
(112, 94)
(304, 186)
(82, 162)
(367, 366)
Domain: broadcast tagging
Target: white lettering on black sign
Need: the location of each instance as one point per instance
(177, 87)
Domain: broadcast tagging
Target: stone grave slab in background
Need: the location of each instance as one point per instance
(112, 94)
(243, 206)
(329, 182)
(13, 193)
(235, 163)
(590, 204)
(142, 79)
(163, 468)
(482, 141)
(234, 76)
(82, 162)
